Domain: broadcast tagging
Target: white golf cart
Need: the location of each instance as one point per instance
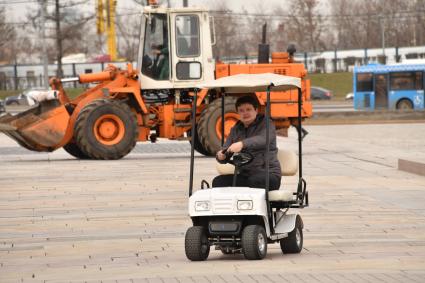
(241, 219)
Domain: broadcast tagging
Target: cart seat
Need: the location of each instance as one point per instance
(288, 164)
(289, 167)
(281, 196)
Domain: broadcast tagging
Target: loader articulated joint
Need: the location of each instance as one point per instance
(54, 82)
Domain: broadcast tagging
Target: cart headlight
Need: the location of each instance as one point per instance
(244, 204)
(202, 205)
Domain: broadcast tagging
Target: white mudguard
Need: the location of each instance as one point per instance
(286, 224)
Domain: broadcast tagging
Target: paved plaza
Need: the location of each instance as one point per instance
(69, 220)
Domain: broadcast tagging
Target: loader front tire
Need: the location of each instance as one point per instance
(106, 129)
(73, 149)
(209, 127)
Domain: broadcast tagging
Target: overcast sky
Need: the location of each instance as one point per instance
(17, 9)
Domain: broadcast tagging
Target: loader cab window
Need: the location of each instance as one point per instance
(187, 35)
(156, 61)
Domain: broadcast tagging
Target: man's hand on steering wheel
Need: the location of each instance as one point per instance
(235, 147)
(221, 155)
(239, 158)
(228, 152)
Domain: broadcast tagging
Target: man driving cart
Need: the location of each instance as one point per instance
(249, 135)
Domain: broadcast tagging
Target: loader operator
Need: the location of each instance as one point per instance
(249, 134)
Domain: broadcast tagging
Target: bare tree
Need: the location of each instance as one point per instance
(306, 24)
(228, 32)
(419, 6)
(128, 36)
(67, 29)
(363, 23)
(8, 35)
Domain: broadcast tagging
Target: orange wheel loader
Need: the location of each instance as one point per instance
(154, 100)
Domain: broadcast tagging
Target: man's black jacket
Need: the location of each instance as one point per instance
(254, 141)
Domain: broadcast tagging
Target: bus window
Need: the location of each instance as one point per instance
(406, 81)
(419, 81)
(364, 82)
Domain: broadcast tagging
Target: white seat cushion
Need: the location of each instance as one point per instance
(225, 169)
(281, 195)
(288, 162)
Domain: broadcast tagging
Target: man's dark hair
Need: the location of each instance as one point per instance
(247, 99)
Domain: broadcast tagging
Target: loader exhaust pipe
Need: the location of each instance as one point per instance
(263, 48)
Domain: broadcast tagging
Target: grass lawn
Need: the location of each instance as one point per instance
(71, 92)
(339, 83)
(6, 93)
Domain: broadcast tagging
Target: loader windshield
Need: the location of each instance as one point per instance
(155, 63)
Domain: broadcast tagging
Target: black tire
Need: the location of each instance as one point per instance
(254, 242)
(207, 123)
(405, 104)
(198, 146)
(196, 244)
(293, 244)
(73, 149)
(85, 128)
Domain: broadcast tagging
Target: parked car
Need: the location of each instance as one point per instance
(25, 98)
(20, 99)
(319, 93)
(349, 96)
(2, 109)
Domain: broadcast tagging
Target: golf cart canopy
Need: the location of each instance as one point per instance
(243, 83)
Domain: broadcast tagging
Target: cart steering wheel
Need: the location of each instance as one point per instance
(238, 159)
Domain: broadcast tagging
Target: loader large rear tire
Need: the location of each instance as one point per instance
(209, 127)
(198, 146)
(106, 129)
(73, 149)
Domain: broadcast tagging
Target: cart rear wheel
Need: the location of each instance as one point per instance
(254, 242)
(106, 129)
(293, 244)
(196, 244)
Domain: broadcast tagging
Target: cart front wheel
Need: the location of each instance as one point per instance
(196, 244)
(254, 242)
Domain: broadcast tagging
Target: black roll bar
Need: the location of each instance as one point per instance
(222, 116)
(192, 142)
(269, 210)
(302, 184)
(300, 128)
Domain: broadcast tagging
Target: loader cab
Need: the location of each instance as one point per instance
(175, 48)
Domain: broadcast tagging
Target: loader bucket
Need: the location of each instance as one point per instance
(41, 128)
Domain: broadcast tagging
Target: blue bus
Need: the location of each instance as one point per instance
(378, 86)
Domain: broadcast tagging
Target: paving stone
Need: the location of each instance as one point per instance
(68, 220)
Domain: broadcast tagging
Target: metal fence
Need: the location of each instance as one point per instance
(31, 76)
(14, 77)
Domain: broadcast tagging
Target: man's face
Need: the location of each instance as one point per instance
(247, 113)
